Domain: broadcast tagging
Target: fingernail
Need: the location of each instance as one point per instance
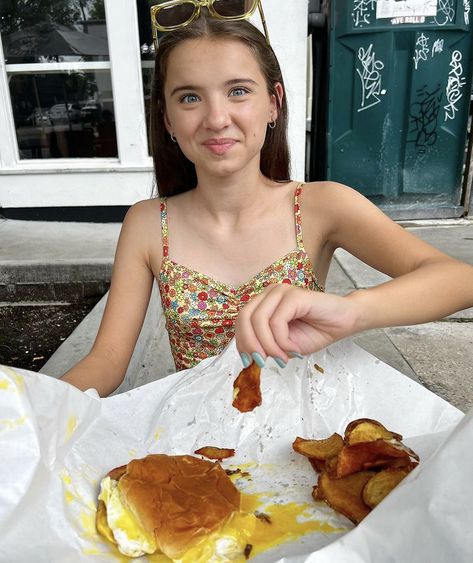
(281, 363)
(245, 360)
(258, 358)
(295, 355)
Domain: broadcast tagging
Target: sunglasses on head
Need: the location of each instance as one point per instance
(175, 14)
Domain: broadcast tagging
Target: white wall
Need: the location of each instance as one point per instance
(123, 181)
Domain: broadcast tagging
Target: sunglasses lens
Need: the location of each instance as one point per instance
(233, 8)
(176, 15)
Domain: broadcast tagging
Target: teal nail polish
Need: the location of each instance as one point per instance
(258, 358)
(295, 355)
(281, 363)
(245, 360)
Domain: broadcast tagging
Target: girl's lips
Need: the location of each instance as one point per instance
(219, 146)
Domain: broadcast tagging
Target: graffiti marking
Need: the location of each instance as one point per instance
(455, 83)
(370, 77)
(466, 11)
(422, 50)
(423, 118)
(437, 47)
(445, 12)
(362, 10)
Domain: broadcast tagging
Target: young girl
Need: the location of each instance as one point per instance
(233, 237)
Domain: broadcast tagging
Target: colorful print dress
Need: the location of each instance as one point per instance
(201, 312)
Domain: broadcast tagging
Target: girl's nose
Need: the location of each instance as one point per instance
(217, 116)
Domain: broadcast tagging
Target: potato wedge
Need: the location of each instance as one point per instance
(246, 389)
(366, 455)
(367, 430)
(344, 495)
(381, 484)
(319, 449)
(211, 452)
(331, 466)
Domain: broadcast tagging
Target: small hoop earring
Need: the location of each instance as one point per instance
(272, 124)
(173, 139)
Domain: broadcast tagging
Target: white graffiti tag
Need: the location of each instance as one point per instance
(437, 47)
(445, 12)
(370, 77)
(362, 10)
(455, 83)
(422, 50)
(466, 11)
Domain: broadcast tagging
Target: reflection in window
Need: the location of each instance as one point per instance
(64, 115)
(53, 31)
(147, 52)
(67, 114)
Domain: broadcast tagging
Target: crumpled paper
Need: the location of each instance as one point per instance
(57, 443)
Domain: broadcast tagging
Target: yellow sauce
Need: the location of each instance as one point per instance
(278, 524)
(12, 423)
(71, 426)
(288, 522)
(17, 379)
(4, 384)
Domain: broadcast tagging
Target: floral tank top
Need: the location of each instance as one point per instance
(201, 312)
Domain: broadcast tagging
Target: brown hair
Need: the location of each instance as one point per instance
(174, 172)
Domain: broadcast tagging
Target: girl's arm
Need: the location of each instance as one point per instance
(426, 284)
(105, 366)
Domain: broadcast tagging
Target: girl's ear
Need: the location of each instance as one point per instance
(276, 99)
(167, 123)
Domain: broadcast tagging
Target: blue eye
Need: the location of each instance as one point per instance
(238, 92)
(189, 99)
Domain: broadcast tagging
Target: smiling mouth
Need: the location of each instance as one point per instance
(219, 146)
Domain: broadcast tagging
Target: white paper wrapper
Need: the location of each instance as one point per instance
(57, 443)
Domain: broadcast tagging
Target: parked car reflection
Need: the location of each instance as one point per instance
(39, 118)
(63, 113)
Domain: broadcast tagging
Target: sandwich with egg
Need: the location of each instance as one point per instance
(183, 507)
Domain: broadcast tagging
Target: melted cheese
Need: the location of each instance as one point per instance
(282, 523)
(131, 538)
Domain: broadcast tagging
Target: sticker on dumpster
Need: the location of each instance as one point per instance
(406, 8)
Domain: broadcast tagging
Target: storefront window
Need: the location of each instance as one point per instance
(58, 69)
(147, 51)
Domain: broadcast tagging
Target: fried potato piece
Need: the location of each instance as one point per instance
(379, 453)
(381, 484)
(344, 495)
(246, 389)
(367, 430)
(331, 466)
(319, 450)
(211, 452)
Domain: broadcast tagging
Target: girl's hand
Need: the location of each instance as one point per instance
(284, 320)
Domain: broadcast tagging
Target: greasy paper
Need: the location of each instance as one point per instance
(57, 443)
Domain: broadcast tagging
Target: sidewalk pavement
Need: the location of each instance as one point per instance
(438, 355)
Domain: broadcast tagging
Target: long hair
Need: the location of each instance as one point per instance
(175, 173)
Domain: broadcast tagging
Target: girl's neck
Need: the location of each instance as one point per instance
(233, 194)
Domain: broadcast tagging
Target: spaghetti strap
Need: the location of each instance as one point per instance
(297, 216)
(164, 226)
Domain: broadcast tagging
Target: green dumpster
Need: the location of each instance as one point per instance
(398, 102)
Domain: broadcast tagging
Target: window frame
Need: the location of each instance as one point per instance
(125, 68)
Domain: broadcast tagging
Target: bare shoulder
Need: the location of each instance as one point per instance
(342, 208)
(328, 195)
(143, 216)
(354, 223)
(142, 229)
(322, 206)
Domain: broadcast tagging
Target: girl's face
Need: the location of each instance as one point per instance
(217, 104)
